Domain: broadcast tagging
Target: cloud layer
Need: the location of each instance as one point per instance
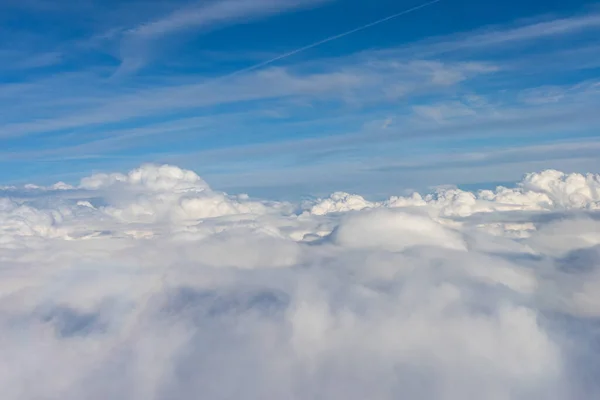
(151, 285)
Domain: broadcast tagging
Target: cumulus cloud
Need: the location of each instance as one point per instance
(151, 285)
(393, 231)
(547, 190)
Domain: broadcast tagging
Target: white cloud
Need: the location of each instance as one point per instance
(205, 14)
(419, 74)
(547, 190)
(136, 42)
(365, 82)
(538, 30)
(149, 177)
(119, 288)
(519, 33)
(163, 194)
(394, 231)
(441, 113)
(340, 202)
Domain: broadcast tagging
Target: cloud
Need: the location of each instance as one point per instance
(393, 231)
(539, 30)
(443, 112)
(119, 288)
(136, 42)
(24, 60)
(215, 12)
(548, 190)
(518, 34)
(149, 177)
(271, 84)
(422, 86)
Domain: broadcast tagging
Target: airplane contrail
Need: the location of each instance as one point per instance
(329, 39)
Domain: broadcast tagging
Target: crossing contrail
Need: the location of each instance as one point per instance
(330, 39)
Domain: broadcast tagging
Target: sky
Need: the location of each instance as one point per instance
(451, 92)
(299, 199)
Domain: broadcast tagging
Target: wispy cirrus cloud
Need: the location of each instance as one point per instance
(534, 31)
(17, 60)
(366, 81)
(136, 43)
(494, 37)
(203, 15)
(467, 86)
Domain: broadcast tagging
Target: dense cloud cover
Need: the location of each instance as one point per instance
(150, 285)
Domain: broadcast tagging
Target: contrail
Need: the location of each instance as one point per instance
(330, 39)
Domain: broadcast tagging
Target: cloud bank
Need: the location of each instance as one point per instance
(151, 285)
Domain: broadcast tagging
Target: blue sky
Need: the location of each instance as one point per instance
(462, 92)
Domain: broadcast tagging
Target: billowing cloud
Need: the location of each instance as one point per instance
(547, 190)
(151, 285)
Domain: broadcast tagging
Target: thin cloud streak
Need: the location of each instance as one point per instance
(500, 36)
(204, 15)
(331, 39)
(423, 93)
(136, 43)
(176, 95)
(264, 84)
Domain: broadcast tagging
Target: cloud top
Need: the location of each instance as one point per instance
(546, 190)
(151, 285)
